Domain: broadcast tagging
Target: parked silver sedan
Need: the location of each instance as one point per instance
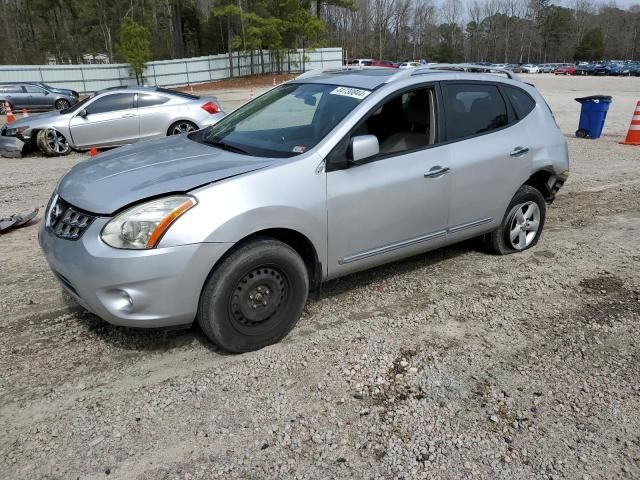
(114, 117)
(233, 226)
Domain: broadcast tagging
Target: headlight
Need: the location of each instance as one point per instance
(141, 227)
(14, 132)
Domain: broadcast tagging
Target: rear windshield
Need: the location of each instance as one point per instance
(286, 121)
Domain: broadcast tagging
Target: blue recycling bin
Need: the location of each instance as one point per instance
(592, 115)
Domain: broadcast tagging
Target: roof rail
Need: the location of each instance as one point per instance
(463, 67)
(320, 71)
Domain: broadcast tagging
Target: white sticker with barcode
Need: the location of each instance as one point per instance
(351, 92)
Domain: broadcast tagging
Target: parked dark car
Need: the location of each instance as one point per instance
(34, 96)
(584, 70)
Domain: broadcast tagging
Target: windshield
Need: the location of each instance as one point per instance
(287, 121)
(78, 106)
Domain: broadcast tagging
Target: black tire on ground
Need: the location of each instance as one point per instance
(52, 143)
(254, 297)
(180, 127)
(581, 133)
(523, 203)
(62, 104)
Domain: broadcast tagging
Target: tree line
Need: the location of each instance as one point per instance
(510, 31)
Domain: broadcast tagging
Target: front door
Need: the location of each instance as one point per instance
(110, 120)
(394, 204)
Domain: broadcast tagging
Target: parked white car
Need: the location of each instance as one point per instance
(530, 68)
(404, 65)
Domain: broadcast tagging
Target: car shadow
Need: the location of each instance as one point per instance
(140, 340)
(374, 275)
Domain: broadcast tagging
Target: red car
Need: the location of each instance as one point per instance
(383, 63)
(565, 70)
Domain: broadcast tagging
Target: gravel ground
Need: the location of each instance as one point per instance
(453, 364)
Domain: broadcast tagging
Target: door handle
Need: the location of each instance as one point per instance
(519, 151)
(436, 171)
(129, 115)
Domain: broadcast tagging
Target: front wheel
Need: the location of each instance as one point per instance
(52, 143)
(254, 297)
(522, 223)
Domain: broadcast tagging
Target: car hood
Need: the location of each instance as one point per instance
(118, 178)
(39, 120)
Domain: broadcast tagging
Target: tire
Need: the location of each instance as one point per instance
(181, 126)
(254, 297)
(527, 207)
(581, 133)
(62, 104)
(52, 143)
(2, 109)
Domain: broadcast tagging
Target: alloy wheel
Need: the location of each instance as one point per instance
(182, 127)
(524, 225)
(56, 141)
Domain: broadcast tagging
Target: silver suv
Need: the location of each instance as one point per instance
(236, 225)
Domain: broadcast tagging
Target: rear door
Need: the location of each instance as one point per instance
(490, 156)
(15, 95)
(153, 115)
(111, 120)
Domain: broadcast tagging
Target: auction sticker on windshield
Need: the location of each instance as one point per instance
(350, 92)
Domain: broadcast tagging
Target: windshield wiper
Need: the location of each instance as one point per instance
(226, 146)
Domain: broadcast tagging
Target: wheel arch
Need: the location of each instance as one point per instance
(294, 239)
(545, 181)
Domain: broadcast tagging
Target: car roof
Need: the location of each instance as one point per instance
(141, 89)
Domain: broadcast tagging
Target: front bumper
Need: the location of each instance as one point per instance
(135, 288)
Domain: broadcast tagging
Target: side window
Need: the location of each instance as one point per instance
(150, 100)
(33, 89)
(521, 101)
(404, 122)
(111, 103)
(11, 89)
(473, 109)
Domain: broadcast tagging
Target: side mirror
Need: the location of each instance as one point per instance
(310, 100)
(363, 147)
(46, 92)
(83, 113)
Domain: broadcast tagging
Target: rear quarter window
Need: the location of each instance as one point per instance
(474, 109)
(521, 101)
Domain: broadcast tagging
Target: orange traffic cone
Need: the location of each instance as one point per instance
(93, 151)
(191, 88)
(25, 113)
(633, 134)
(9, 113)
(274, 81)
(251, 94)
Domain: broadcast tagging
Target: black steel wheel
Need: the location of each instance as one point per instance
(254, 297)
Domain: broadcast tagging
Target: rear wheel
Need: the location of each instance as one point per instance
(52, 143)
(62, 104)
(522, 224)
(254, 297)
(181, 126)
(581, 133)
(2, 107)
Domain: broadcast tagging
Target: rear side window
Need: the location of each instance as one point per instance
(147, 100)
(521, 101)
(474, 109)
(111, 103)
(11, 89)
(33, 89)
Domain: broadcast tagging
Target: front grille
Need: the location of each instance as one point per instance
(67, 221)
